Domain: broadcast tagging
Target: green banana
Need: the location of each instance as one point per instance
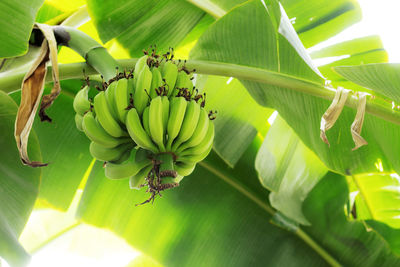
(156, 82)
(156, 122)
(184, 169)
(81, 102)
(137, 133)
(165, 111)
(140, 178)
(189, 123)
(169, 72)
(78, 121)
(110, 96)
(123, 157)
(145, 120)
(105, 118)
(108, 154)
(97, 134)
(121, 97)
(199, 132)
(204, 144)
(138, 67)
(196, 158)
(182, 81)
(176, 115)
(125, 169)
(140, 98)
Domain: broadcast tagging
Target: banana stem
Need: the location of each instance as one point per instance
(94, 53)
(166, 167)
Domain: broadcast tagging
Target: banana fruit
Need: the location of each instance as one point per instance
(81, 102)
(147, 125)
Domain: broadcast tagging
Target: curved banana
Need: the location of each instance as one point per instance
(110, 96)
(138, 68)
(156, 82)
(184, 169)
(108, 154)
(189, 123)
(105, 118)
(183, 81)
(140, 98)
(199, 132)
(121, 97)
(146, 120)
(196, 158)
(137, 133)
(165, 112)
(204, 144)
(97, 134)
(169, 72)
(81, 102)
(176, 115)
(137, 180)
(125, 169)
(157, 130)
(78, 121)
(123, 157)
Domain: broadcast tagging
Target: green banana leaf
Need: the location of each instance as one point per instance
(239, 118)
(377, 197)
(19, 185)
(139, 24)
(381, 78)
(227, 41)
(16, 25)
(288, 169)
(348, 241)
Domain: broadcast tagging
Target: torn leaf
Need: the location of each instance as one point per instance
(32, 91)
(333, 112)
(356, 126)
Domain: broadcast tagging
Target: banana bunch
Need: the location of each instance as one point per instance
(149, 125)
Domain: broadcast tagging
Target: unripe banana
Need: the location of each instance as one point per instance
(169, 72)
(176, 115)
(189, 123)
(97, 134)
(156, 82)
(81, 102)
(196, 158)
(78, 121)
(108, 154)
(140, 178)
(125, 169)
(110, 96)
(199, 132)
(123, 157)
(138, 68)
(165, 112)
(204, 144)
(146, 120)
(157, 130)
(121, 97)
(182, 81)
(137, 133)
(143, 84)
(105, 118)
(184, 169)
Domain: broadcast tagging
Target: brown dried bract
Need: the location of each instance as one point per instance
(356, 126)
(333, 112)
(32, 91)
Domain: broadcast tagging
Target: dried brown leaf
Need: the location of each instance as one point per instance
(356, 126)
(32, 91)
(333, 112)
